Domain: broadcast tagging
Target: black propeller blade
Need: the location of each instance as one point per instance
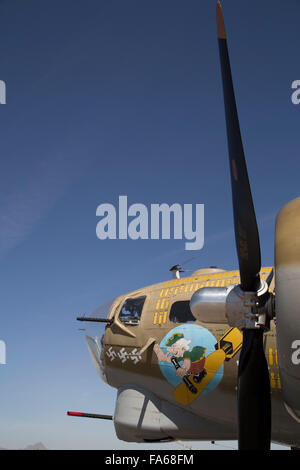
(254, 398)
(246, 233)
(254, 403)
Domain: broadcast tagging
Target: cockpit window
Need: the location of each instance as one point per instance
(181, 313)
(132, 310)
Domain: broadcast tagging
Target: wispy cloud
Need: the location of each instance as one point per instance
(22, 207)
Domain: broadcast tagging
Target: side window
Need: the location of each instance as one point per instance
(181, 313)
(132, 310)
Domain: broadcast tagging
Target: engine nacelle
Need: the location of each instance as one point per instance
(232, 305)
(287, 303)
(208, 304)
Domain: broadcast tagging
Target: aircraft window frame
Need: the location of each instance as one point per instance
(174, 319)
(135, 320)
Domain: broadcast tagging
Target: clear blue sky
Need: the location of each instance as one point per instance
(106, 98)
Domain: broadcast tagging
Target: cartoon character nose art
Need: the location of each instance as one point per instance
(192, 360)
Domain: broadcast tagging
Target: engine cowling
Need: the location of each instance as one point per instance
(287, 303)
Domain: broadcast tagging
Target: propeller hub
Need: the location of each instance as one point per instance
(249, 310)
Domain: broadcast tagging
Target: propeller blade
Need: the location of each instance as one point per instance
(254, 397)
(245, 225)
(254, 402)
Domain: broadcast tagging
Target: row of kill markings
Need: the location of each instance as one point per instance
(273, 361)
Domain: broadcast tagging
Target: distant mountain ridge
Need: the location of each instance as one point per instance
(37, 446)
